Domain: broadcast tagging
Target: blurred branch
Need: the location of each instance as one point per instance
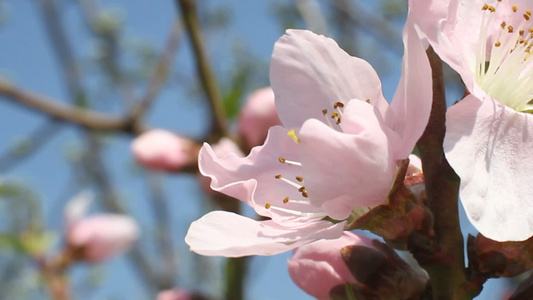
(378, 26)
(164, 227)
(312, 15)
(98, 172)
(160, 73)
(207, 78)
(70, 113)
(36, 140)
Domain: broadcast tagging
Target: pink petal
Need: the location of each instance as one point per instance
(221, 233)
(318, 267)
(412, 101)
(344, 170)
(310, 72)
(252, 179)
(162, 150)
(489, 146)
(103, 235)
(257, 115)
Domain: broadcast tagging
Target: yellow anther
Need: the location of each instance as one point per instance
(301, 189)
(528, 12)
(304, 194)
(324, 112)
(526, 16)
(491, 9)
(515, 8)
(521, 32)
(278, 176)
(497, 44)
(299, 178)
(503, 25)
(334, 114)
(510, 29)
(338, 120)
(367, 101)
(292, 134)
(485, 6)
(281, 160)
(267, 205)
(286, 200)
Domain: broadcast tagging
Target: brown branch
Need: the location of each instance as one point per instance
(207, 78)
(65, 112)
(445, 262)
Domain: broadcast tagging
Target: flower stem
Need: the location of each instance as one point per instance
(444, 260)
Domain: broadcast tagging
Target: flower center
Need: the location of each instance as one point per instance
(506, 73)
(299, 205)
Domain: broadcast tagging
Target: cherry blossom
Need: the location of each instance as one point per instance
(488, 140)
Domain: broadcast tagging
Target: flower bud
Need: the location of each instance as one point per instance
(323, 269)
(179, 294)
(500, 259)
(257, 115)
(98, 237)
(162, 150)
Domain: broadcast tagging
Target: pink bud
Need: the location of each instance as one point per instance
(162, 150)
(318, 267)
(257, 115)
(174, 294)
(98, 237)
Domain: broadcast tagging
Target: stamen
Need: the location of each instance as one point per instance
(292, 183)
(497, 44)
(299, 178)
(338, 104)
(367, 101)
(515, 8)
(289, 162)
(286, 200)
(292, 134)
(268, 205)
(324, 112)
(334, 114)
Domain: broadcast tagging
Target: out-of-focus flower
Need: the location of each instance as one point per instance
(489, 135)
(97, 237)
(337, 150)
(174, 294)
(368, 265)
(179, 294)
(162, 150)
(257, 115)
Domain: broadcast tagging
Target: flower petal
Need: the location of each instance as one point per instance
(350, 169)
(310, 72)
(221, 233)
(412, 101)
(489, 146)
(252, 179)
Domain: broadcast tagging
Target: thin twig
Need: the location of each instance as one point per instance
(36, 140)
(207, 77)
(66, 112)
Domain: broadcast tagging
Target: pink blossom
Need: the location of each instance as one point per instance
(318, 267)
(163, 150)
(257, 115)
(222, 148)
(489, 136)
(100, 236)
(336, 151)
(174, 294)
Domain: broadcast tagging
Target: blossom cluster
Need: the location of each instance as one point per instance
(336, 156)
